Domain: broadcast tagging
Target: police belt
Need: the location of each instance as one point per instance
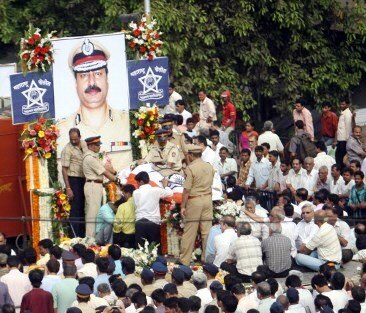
(98, 181)
(205, 194)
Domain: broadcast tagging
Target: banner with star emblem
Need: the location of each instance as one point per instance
(31, 96)
(148, 82)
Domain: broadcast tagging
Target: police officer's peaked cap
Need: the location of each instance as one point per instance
(93, 140)
(83, 290)
(88, 55)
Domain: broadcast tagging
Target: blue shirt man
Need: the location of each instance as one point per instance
(104, 223)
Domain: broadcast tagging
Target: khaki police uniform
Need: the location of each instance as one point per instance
(169, 154)
(72, 159)
(185, 292)
(93, 189)
(199, 213)
(115, 135)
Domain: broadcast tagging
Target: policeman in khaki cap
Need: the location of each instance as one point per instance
(93, 189)
(196, 206)
(94, 116)
(175, 136)
(164, 154)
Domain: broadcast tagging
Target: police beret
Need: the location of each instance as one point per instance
(83, 290)
(93, 140)
(194, 148)
(159, 267)
(186, 270)
(73, 309)
(276, 307)
(170, 288)
(178, 275)
(161, 259)
(210, 268)
(147, 274)
(88, 55)
(292, 295)
(216, 285)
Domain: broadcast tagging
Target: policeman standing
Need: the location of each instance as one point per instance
(93, 189)
(196, 206)
(72, 172)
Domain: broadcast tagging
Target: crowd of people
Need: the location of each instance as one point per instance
(294, 197)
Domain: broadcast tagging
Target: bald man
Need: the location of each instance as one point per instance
(325, 241)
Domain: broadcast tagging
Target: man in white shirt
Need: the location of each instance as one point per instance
(293, 180)
(322, 158)
(174, 96)
(259, 170)
(348, 183)
(245, 303)
(51, 277)
(264, 295)
(344, 130)
(223, 241)
(306, 228)
(337, 180)
(208, 155)
(17, 282)
(270, 137)
(200, 282)
(226, 166)
(305, 296)
(216, 144)
(89, 268)
(207, 111)
(309, 177)
(294, 299)
(180, 107)
(343, 231)
(146, 200)
(325, 241)
(338, 295)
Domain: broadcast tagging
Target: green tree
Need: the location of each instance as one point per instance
(266, 52)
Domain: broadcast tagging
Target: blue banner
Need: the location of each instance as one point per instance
(31, 96)
(148, 82)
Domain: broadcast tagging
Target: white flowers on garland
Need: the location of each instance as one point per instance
(228, 208)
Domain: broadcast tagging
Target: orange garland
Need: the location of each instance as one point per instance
(35, 221)
(163, 229)
(35, 203)
(37, 183)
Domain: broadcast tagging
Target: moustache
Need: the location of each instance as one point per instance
(92, 88)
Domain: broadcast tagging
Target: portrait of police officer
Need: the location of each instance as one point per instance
(88, 61)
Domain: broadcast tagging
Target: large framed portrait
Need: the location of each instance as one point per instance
(91, 92)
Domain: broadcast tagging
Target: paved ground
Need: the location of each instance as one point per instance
(351, 270)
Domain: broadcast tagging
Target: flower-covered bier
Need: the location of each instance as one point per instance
(36, 51)
(39, 138)
(144, 38)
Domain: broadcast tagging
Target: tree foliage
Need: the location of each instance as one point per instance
(266, 52)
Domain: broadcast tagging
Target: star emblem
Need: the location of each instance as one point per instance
(34, 95)
(150, 81)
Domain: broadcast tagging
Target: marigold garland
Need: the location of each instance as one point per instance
(164, 206)
(111, 191)
(36, 181)
(35, 220)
